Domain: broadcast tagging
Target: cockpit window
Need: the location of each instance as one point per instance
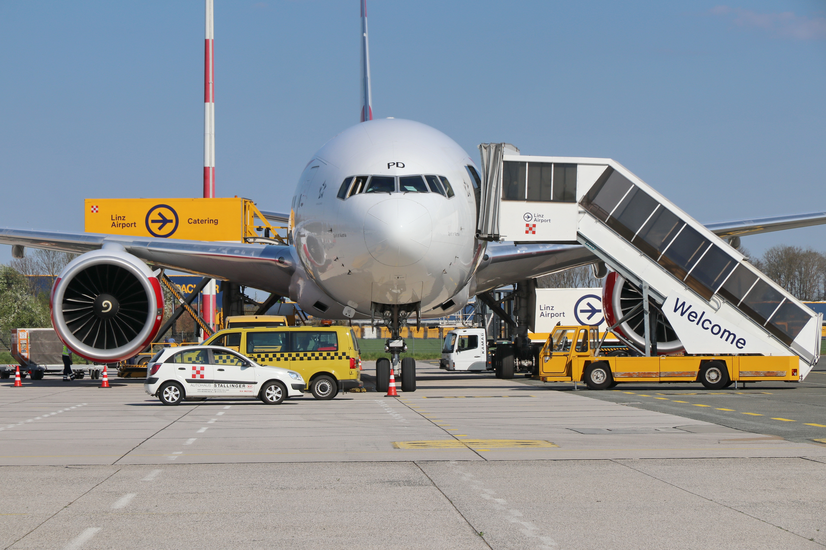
(381, 184)
(448, 188)
(474, 176)
(358, 185)
(435, 185)
(412, 184)
(345, 186)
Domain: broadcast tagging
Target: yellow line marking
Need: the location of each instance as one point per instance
(475, 444)
(662, 398)
(784, 419)
(701, 405)
(629, 392)
(728, 410)
(820, 441)
(816, 425)
(753, 414)
(461, 435)
(676, 401)
(643, 395)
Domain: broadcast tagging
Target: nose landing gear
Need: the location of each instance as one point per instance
(403, 368)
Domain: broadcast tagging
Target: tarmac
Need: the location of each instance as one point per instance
(466, 461)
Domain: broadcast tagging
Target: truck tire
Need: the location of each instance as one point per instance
(408, 374)
(497, 363)
(37, 375)
(598, 376)
(382, 374)
(714, 375)
(507, 364)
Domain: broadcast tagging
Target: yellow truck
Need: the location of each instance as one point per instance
(573, 354)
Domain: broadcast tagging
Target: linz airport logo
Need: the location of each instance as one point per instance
(530, 228)
(161, 221)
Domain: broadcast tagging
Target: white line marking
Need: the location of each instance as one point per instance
(202, 430)
(212, 421)
(219, 413)
(190, 441)
(82, 538)
(228, 406)
(124, 501)
(151, 475)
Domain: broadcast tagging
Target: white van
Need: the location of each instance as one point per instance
(465, 349)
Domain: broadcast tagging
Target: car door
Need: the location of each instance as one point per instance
(193, 368)
(469, 353)
(234, 375)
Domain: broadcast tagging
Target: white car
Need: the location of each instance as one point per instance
(175, 374)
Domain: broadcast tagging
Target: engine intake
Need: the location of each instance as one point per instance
(106, 305)
(619, 297)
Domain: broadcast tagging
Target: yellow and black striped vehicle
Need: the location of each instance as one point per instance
(327, 357)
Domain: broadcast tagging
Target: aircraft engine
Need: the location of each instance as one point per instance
(106, 305)
(619, 296)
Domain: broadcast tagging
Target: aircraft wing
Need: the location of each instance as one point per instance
(766, 225)
(506, 263)
(265, 267)
(280, 218)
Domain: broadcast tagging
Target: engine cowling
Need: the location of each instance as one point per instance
(106, 305)
(619, 296)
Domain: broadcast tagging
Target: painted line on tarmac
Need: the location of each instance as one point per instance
(41, 417)
(124, 501)
(202, 430)
(512, 514)
(78, 542)
(151, 475)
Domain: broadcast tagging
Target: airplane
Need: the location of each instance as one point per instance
(382, 226)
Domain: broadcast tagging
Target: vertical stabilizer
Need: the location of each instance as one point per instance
(366, 96)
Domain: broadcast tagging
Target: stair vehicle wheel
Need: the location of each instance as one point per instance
(323, 387)
(382, 374)
(171, 394)
(273, 393)
(507, 364)
(598, 376)
(497, 364)
(408, 374)
(714, 375)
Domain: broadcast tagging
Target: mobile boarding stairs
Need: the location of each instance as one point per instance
(716, 302)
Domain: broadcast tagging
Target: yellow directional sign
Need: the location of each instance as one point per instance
(192, 219)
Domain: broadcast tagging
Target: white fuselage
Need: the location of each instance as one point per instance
(391, 247)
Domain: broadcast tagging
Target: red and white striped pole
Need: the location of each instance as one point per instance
(209, 143)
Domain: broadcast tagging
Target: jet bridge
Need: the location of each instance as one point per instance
(715, 301)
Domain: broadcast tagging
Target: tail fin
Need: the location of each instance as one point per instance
(366, 96)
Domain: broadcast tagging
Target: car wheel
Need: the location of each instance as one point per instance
(273, 393)
(171, 393)
(382, 374)
(598, 376)
(324, 387)
(408, 374)
(714, 375)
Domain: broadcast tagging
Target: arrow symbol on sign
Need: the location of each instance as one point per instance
(163, 221)
(590, 311)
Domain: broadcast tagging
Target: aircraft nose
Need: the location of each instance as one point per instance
(397, 232)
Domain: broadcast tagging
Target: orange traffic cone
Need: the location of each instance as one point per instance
(105, 382)
(17, 382)
(391, 389)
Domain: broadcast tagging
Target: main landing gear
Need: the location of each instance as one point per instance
(403, 368)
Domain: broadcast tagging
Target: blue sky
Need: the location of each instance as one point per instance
(718, 106)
